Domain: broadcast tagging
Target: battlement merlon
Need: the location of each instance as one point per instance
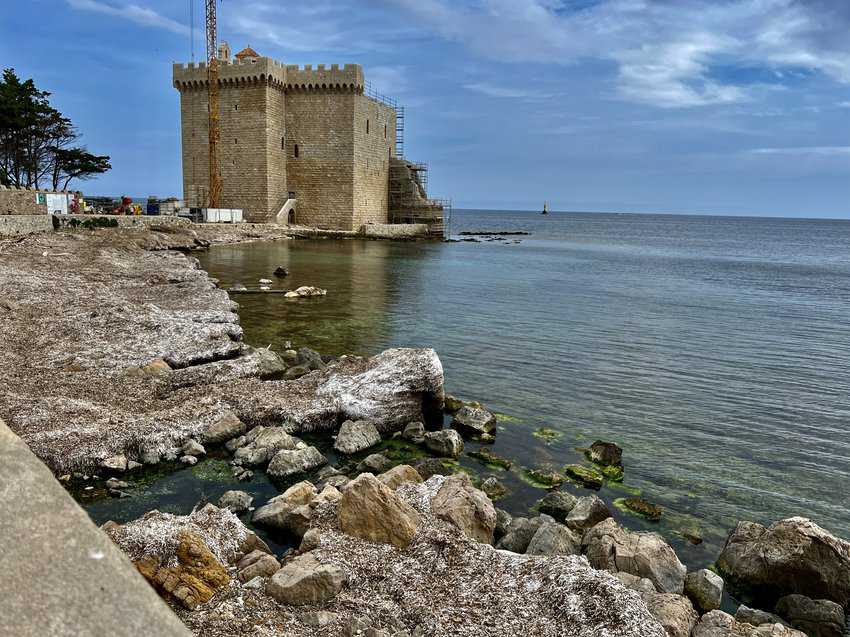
(264, 69)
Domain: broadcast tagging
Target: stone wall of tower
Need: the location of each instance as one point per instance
(374, 144)
(252, 158)
(321, 173)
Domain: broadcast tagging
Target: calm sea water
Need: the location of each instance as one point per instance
(715, 351)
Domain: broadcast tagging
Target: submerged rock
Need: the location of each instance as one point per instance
(356, 436)
(490, 459)
(790, 556)
(610, 547)
(640, 507)
(494, 488)
(605, 453)
(587, 476)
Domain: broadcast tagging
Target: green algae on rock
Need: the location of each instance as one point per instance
(543, 479)
(490, 459)
(640, 507)
(615, 473)
(547, 435)
(586, 476)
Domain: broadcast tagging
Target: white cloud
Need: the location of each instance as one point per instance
(132, 12)
(491, 90)
(823, 151)
(681, 53)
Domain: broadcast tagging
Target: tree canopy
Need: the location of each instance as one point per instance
(37, 142)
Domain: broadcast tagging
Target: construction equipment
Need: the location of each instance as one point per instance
(214, 109)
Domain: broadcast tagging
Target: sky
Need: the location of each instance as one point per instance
(672, 106)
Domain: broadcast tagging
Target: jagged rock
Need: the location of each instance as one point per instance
(414, 432)
(817, 618)
(371, 511)
(558, 505)
(356, 436)
(746, 615)
(399, 475)
(446, 443)
(193, 448)
(553, 538)
(329, 494)
(705, 589)
(236, 443)
(338, 482)
(374, 463)
(674, 612)
(262, 444)
(605, 453)
(587, 513)
(474, 420)
(196, 577)
(635, 583)
(609, 547)
(289, 511)
(225, 428)
(790, 556)
(236, 501)
(292, 462)
(305, 581)
(520, 533)
(257, 564)
(189, 460)
(468, 508)
(116, 464)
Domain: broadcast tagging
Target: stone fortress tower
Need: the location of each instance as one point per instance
(291, 133)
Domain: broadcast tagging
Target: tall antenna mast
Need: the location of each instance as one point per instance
(192, 26)
(214, 110)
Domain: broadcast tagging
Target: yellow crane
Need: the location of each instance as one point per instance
(214, 109)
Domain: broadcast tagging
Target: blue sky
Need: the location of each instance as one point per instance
(682, 106)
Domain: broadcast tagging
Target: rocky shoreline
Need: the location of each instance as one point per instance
(124, 353)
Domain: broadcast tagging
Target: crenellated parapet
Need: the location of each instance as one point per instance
(264, 70)
(232, 72)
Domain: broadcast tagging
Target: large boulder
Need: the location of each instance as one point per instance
(815, 617)
(558, 504)
(468, 508)
(791, 556)
(306, 581)
(288, 463)
(446, 443)
(756, 617)
(261, 445)
(356, 436)
(474, 420)
(705, 589)
(587, 513)
(674, 612)
(553, 538)
(193, 580)
(371, 511)
(610, 547)
(399, 475)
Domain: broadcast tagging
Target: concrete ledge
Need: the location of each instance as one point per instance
(62, 575)
(22, 225)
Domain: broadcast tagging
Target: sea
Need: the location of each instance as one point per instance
(714, 350)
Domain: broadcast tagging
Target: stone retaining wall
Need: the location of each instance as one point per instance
(395, 231)
(22, 225)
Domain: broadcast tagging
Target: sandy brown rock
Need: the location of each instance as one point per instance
(400, 475)
(468, 508)
(371, 511)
